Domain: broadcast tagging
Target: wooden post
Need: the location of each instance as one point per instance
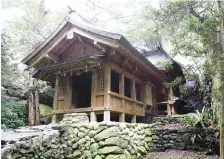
(93, 117)
(133, 93)
(93, 89)
(122, 117)
(133, 120)
(172, 109)
(55, 103)
(106, 115)
(155, 108)
(31, 109)
(220, 75)
(107, 83)
(168, 109)
(121, 88)
(68, 96)
(37, 107)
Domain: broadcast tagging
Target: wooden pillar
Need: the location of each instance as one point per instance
(133, 93)
(155, 108)
(122, 117)
(68, 96)
(93, 117)
(54, 119)
(93, 89)
(133, 120)
(106, 115)
(121, 88)
(107, 83)
(168, 109)
(55, 103)
(172, 109)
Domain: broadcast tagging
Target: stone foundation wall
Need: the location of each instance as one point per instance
(98, 141)
(183, 138)
(87, 140)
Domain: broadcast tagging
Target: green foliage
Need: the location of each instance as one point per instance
(194, 140)
(176, 82)
(164, 65)
(45, 111)
(203, 118)
(187, 120)
(199, 119)
(38, 153)
(13, 113)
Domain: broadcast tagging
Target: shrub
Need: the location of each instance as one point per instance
(199, 119)
(13, 113)
(45, 114)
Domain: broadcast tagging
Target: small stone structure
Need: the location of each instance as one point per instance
(75, 118)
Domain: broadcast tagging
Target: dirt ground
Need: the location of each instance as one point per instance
(179, 154)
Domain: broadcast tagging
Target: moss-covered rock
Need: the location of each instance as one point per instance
(110, 150)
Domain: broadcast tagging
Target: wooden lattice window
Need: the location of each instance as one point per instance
(100, 80)
(62, 86)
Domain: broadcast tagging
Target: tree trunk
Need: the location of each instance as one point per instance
(221, 77)
(31, 110)
(36, 100)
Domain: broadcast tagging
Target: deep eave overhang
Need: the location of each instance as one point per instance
(119, 39)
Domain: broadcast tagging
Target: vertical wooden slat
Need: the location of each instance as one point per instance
(55, 103)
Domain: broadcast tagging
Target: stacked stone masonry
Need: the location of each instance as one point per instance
(106, 140)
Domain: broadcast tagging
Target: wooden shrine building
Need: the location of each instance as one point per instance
(97, 72)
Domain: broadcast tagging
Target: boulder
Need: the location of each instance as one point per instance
(110, 150)
(92, 133)
(107, 133)
(116, 157)
(82, 141)
(116, 141)
(76, 153)
(97, 157)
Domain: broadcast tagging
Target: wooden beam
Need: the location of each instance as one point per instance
(127, 74)
(48, 49)
(125, 98)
